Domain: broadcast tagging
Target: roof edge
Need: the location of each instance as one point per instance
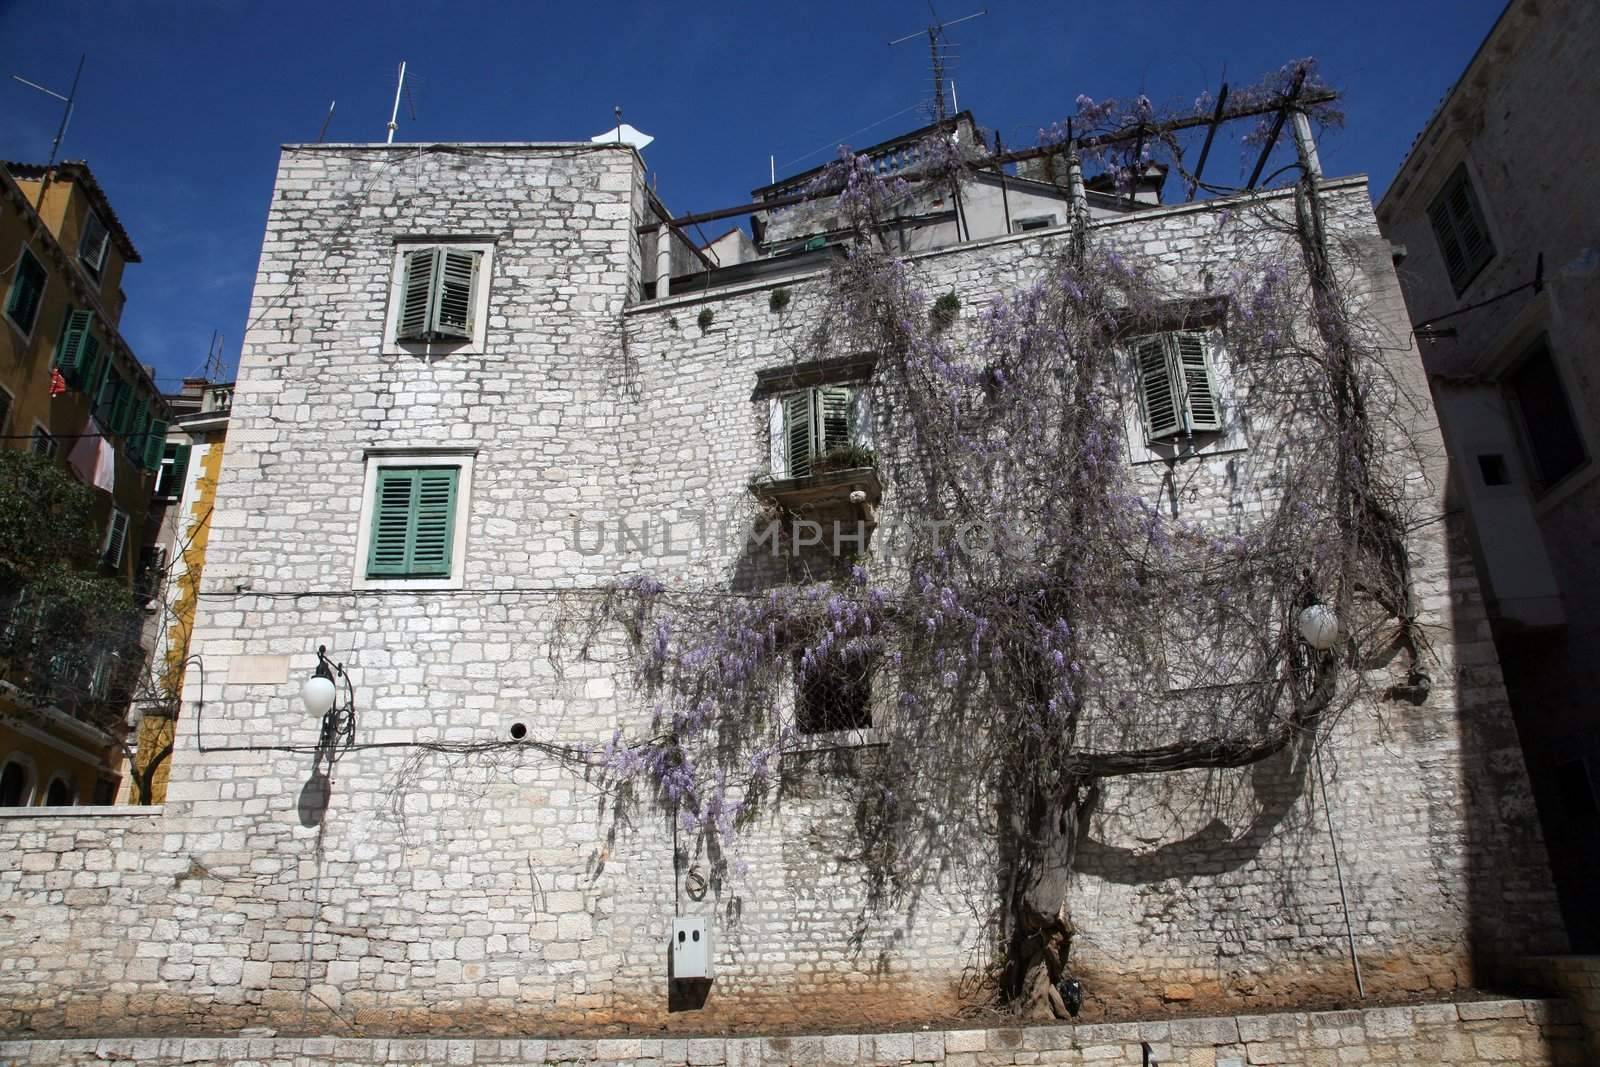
(1444, 103)
(77, 171)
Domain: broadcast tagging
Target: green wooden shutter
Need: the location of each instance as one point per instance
(413, 526)
(70, 348)
(458, 284)
(797, 429)
(26, 291)
(107, 399)
(169, 484)
(416, 294)
(434, 524)
(92, 244)
(833, 407)
(391, 521)
(1199, 383)
(116, 538)
(138, 429)
(100, 676)
(180, 466)
(155, 444)
(93, 363)
(1158, 388)
(122, 408)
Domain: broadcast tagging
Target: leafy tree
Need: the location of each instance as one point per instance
(70, 635)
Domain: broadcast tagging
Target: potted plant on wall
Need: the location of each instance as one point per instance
(847, 457)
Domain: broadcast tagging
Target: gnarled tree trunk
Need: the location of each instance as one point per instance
(1040, 915)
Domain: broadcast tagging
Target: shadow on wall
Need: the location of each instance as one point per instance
(1276, 786)
(1511, 907)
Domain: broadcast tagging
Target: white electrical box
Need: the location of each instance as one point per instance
(691, 947)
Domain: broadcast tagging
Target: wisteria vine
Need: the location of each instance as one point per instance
(1095, 630)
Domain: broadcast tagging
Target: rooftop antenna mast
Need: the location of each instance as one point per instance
(938, 48)
(394, 113)
(213, 369)
(66, 117)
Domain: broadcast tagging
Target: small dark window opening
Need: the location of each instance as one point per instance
(834, 696)
(59, 795)
(1554, 444)
(13, 784)
(1575, 792)
(1036, 222)
(1493, 468)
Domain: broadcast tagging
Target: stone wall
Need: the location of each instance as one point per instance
(435, 890)
(1532, 1033)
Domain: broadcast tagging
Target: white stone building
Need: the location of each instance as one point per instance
(415, 469)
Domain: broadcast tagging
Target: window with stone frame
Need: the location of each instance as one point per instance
(116, 539)
(414, 519)
(26, 294)
(819, 415)
(43, 443)
(1551, 437)
(174, 471)
(93, 244)
(413, 522)
(439, 296)
(833, 695)
(1177, 385)
(1461, 230)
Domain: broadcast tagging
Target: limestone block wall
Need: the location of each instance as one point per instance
(1479, 1033)
(416, 886)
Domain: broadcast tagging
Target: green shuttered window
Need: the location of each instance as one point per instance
(413, 522)
(814, 422)
(438, 295)
(155, 443)
(92, 244)
(116, 538)
(1177, 385)
(27, 290)
(73, 349)
(174, 470)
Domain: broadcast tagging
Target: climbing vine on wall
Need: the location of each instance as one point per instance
(1050, 622)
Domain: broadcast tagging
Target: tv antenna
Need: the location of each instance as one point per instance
(66, 117)
(214, 362)
(324, 131)
(939, 55)
(394, 113)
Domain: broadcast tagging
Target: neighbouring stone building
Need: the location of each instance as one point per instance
(451, 378)
(1498, 216)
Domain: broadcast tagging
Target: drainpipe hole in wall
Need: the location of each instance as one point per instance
(518, 731)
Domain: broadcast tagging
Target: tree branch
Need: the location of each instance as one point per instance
(1216, 752)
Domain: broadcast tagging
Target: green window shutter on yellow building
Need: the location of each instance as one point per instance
(70, 348)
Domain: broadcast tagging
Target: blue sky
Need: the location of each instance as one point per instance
(183, 104)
